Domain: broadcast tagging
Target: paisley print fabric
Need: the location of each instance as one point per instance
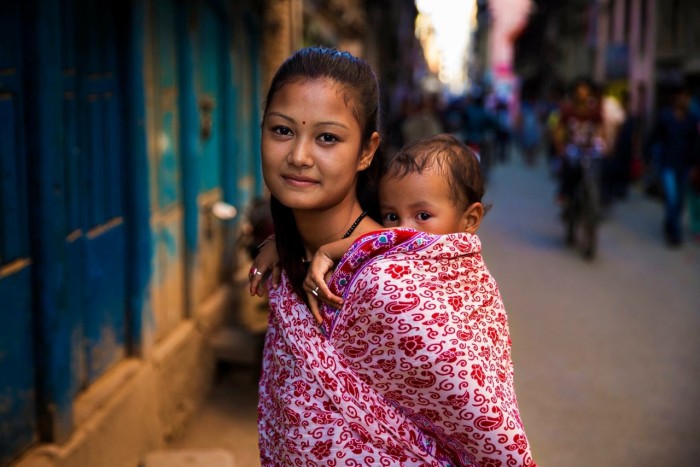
(415, 369)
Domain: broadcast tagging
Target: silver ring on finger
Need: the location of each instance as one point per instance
(315, 291)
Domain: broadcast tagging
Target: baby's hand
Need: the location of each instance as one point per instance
(265, 262)
(320, 269)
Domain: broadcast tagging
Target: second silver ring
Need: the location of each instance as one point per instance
(315, 291)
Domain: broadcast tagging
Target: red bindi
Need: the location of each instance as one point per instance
(303, 122)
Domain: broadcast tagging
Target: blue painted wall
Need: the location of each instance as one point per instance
(18, 427)
(80, 185)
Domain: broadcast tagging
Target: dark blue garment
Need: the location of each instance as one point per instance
(674, 185)
(477, 123)
(676, 139)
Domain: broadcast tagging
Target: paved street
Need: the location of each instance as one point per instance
(607, 353)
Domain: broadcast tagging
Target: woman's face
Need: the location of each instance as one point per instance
(311, 146)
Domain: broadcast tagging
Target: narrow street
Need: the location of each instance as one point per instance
(606, 353)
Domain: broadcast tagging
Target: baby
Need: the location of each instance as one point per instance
(432, 185)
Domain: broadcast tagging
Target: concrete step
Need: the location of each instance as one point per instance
(189, 458)
(236, 345)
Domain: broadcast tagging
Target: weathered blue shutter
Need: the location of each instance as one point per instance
(101, 192)
(210, 53)
(165, 163)
(17, 377)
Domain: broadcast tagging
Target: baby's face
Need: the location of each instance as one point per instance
(420, 202)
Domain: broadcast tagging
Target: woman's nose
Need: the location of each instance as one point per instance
(300, 155)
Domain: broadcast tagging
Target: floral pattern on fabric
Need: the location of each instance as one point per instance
(415, 369)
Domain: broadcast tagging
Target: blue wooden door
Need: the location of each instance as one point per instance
(210, 57)
(17, 377)
(212, 112)
(94, 152)
(246, 77)
(165, 163)
(79, 225)
(62, 281)
(76, 139)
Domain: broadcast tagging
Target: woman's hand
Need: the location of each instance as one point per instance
(265, 263)
(320, 270)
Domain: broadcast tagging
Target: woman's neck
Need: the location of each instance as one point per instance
(318, 228)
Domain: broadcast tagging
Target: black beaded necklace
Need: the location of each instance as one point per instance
(347, 234)
(355, 224)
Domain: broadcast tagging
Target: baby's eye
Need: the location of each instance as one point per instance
(423, 216)
(390, 218)
(328, 138)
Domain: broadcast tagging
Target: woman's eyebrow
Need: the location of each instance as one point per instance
(342, 125)
(281, 115)
(274, 113)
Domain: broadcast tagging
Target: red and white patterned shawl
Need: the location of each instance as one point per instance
(415, 369)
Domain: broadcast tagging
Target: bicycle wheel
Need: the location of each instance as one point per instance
(570, 216)
(589, 236)
(589, 223)
(573, 214)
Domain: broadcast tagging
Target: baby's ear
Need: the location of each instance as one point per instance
(471, 219)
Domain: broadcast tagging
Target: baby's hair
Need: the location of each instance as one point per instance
(450, 156)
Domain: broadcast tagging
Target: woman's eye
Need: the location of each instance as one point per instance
(282, 130)
(328, 138)
(423, 216)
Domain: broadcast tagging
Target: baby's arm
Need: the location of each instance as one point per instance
(265, 260)
(319, 269)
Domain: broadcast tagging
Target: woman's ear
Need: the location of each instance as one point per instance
(471, 219)
(368, 152)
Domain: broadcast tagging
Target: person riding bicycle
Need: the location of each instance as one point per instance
(580, 129)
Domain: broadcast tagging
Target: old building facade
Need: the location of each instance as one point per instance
(123, 124)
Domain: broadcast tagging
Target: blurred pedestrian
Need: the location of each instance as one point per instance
(551, 128)
(503, 129)
(529, 130)
(422, 120)
(694, 177)
(627, 151)
(580, 127)
(477, 125)
(694, 201)
(615, 168)
(675, 138)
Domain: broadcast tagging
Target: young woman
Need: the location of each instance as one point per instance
(414, 369)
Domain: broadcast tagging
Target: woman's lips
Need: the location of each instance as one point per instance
(298, 181)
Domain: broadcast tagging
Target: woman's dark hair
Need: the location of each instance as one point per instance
(453, 158)
(361, 94)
